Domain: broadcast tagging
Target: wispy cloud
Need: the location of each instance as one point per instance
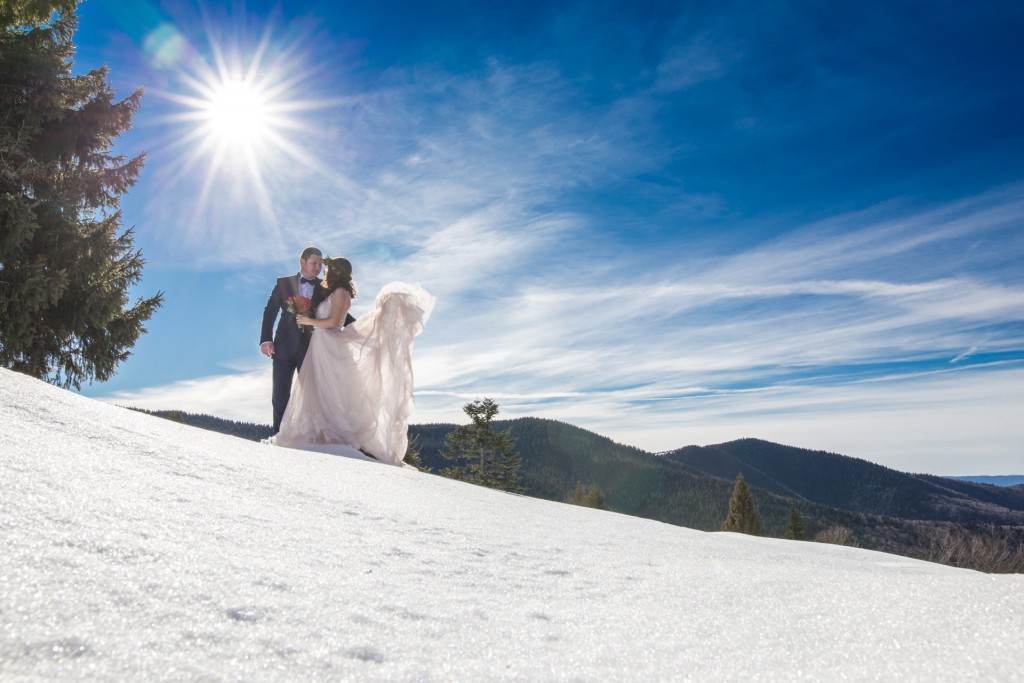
(242, 396)
(699, 59)
(629, 356)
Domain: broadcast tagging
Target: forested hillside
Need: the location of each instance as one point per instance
(680, 491)
(854, 484)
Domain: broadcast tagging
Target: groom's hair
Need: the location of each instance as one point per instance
(310, 251)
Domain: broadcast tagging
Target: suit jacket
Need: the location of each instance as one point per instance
(290, 342)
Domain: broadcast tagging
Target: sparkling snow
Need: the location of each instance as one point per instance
(134, 548)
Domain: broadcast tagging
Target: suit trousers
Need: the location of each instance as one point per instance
(284, 373)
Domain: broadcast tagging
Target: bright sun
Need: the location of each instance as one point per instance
(243, 120)
(238, 112)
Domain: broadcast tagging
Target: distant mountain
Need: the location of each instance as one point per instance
(556, 456)
(691, 487)
(244, 430)
(1007, 480)
(853, 484)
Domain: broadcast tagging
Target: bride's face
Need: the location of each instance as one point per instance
(311, 267)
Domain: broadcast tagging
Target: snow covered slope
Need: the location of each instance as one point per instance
(134, 548)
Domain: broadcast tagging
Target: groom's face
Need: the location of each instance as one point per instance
(311, 267)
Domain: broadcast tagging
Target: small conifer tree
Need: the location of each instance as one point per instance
(591, 497)
(482, 456)
(412, 452)
(795, 529)
(743, 516)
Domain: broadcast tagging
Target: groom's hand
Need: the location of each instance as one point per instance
(267, 349)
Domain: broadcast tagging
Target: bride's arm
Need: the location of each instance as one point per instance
(341, 301)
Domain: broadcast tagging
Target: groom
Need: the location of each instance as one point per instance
(287, 347)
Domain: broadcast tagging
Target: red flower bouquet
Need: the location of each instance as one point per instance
(299, 305)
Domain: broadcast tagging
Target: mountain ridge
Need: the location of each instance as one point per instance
(824, 477)
(1008, 480)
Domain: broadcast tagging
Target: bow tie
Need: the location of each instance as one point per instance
(307, 281)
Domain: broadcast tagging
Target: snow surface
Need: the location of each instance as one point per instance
(135, 548)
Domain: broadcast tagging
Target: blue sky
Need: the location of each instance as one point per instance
(668, 223)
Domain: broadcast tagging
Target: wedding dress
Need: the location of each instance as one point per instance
(354, 389)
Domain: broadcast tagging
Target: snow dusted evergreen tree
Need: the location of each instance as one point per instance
(483, 457)
(795, 529)
(743, 516)
(65, 263)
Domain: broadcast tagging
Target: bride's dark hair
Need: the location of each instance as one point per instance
(339, 274)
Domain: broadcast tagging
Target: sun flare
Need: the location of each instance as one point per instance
(241, 119)
(238, 112)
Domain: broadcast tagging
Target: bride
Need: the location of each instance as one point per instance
(354, 390)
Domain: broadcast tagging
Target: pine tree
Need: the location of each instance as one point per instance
(795, 529)
(14, 13)
(65, 263)
(590, 497)
(412, 452)
(743, 516)
(483, 457)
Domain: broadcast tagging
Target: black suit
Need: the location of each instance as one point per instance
(290, 342)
